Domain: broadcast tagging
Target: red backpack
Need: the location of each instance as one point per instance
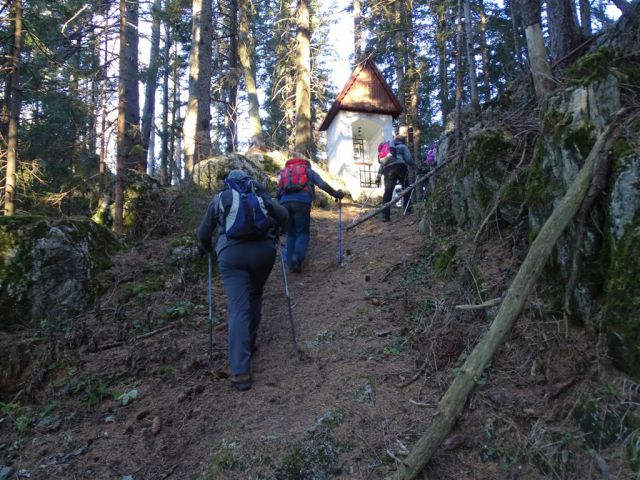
(294, 177)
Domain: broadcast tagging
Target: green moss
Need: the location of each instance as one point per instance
(540, 185)
(582, 138)
(222, 461)
(592, 66)
(602, 417)
(623, 302)
(444, 259)
(486, 152)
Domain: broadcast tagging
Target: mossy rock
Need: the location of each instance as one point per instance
(49, 268)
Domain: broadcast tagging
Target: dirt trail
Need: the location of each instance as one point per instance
(336, 414)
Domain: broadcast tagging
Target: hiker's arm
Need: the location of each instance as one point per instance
(318, 181)
(279, 214)
(208, 225)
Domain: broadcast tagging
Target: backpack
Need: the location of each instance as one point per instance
(431, 156)
(386, 152)
(244, 215)
(294, 177)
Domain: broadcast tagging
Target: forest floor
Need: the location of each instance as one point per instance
(381, 341)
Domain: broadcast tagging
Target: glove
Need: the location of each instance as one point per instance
(202, 251)
(378, 179)
(339, 195)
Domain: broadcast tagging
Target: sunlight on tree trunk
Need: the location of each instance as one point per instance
(303, 81)
(148, 111)
(196, 131)
(540, 69)
(245, 54)
(13, 110)
(471, 60)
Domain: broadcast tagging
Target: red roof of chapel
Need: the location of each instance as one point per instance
(365, 91)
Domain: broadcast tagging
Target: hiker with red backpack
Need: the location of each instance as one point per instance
(296, 189)
(395, 160)
(248, 221)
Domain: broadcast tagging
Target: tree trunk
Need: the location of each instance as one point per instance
(484, 50)
(459, 80)
(585, 18)
(540, 69)
(103, 98)
(564, 35)
(231, 112)
(197, 121)
(471, 58)
(148, 111)
(303, 80)
(399, 50)
(453, 401)
(514, 33)
(441, 45)
(164, 145)
(13, 110)
(245, 54)
(357, 30)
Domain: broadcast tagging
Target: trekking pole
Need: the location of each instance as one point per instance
(210, 315)
(286, 291)
(340, 231)
(409, 202)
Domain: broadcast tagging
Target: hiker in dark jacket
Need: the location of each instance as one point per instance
(298, 204)
(245, 266)
(397, 170)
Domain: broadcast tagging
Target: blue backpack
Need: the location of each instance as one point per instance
(244, 215)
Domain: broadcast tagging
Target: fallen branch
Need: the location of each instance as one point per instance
(418, 181)
(453, 401)
(165, 213)
(107, 346)
(488, 304)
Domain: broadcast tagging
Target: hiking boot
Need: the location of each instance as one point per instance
(386, 219)
(296, 267)
(241, 382)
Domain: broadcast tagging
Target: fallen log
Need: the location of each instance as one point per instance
(453, 401)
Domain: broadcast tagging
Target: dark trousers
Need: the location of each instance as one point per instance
(298, 225)
(393, 174)
(245, 268)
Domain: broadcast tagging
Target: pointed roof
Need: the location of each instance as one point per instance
(366, 91)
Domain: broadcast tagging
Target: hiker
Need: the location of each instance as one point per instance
(248, 220)
(396, 169)
(296, 190)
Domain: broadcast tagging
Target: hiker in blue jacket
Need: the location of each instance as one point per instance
(245, 265)
(396, 170)
(298, 204)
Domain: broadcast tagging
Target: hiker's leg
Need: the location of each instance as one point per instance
(261, 258)
(303, 223)
(237, 284)
(389, 185)
(404, 179)
(291, 232)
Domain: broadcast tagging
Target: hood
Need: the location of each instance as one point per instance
(237, 175)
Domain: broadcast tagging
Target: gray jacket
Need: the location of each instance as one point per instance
(211, 219)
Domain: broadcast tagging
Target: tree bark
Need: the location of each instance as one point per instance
(564, 35)
(471, 60)
(245, 54)
(399, 55)
(13, 111)
(164, 143)
(514, 33)
(585, 18)
(148, 111)
(231, 112)
(441, 45)
(303, 80)
(484, 50)
(459, 80)
(540, 69)
(453, 401)
(197, 121)
(357, 30)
